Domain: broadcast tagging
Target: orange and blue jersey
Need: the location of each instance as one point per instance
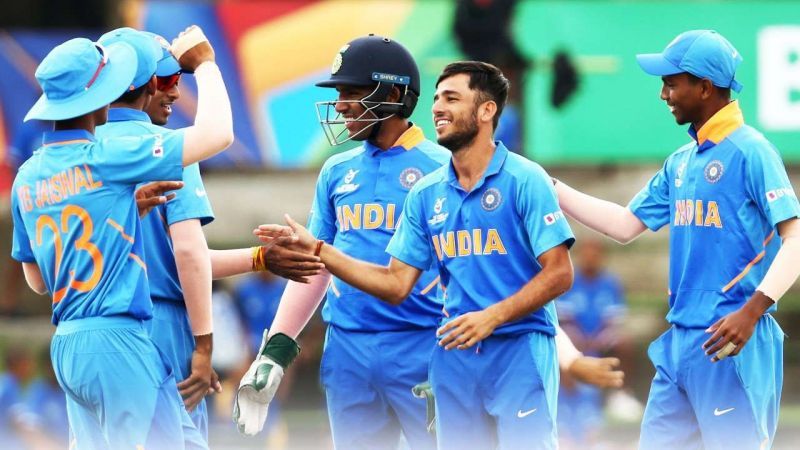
(723, 195)
(75, 217)
(357, 207)
(485, 242)
(190, 202)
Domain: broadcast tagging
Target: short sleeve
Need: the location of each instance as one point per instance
(769, 186)
(651, 204)
(322, 219)
(410, 242)
(21, 243)
(537, 204)
(191, 201)
(138, 159)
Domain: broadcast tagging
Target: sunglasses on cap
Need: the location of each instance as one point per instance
(168, 82)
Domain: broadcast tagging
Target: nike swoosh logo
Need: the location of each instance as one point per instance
(199, 192)
(522, 414)
(718, 412)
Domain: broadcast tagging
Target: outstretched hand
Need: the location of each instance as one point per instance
(152, 194)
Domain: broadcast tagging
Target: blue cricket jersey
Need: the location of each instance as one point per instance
(357, 207)
(75, 216)
(486, 242)
(722, 195)
(190, 202)
(592, 302)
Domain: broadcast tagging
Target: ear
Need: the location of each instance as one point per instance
(152, 86)
(394, 95)
(487, 111)
(706, 89)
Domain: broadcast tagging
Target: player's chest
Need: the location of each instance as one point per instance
(706, 188)
(487, 210)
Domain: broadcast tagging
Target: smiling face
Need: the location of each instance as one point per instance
(353, 111)
(455, 112)
(160, 107)
(684, 96)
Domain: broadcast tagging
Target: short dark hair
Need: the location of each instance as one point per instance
(131, 96)
(485, 78)
(723, 92)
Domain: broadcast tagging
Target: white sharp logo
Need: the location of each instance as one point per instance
(719, 412)
(522, 414)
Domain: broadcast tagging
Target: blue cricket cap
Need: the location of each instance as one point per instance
(80, 76)
(167, 64)
(148, 52)
(702, 53)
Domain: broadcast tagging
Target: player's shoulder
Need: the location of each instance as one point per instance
(430, 180)
(344, 157)
(522, 168)
(749, 141)
(433, 151)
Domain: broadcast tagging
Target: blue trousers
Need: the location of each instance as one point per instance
(170, 330)
(730, 404)
(120, 391)
(368, 378)
(502, 394)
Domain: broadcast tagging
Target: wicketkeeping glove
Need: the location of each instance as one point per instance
(260, 382)
(424, 390)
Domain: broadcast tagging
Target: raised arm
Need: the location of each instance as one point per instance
(212, 131)
(611, 219)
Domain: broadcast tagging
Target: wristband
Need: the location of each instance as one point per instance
(259, 262)
(318, 248)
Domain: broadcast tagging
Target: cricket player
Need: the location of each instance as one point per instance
(734, 246)
(489, 221)
(180, 264)
(374, 352)
(78, 235)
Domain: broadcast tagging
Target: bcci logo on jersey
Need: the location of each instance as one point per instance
(438, 215)
(491, 199)
(713, 171)
(409, 177)
(348, 185)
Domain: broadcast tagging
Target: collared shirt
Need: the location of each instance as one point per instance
(722, 195)
(485, 242)
(357, 207)
(190, 202)
(75, 216)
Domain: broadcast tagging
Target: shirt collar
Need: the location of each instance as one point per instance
(495, 164)
(410, 138)
(124, 114)
(719, 126)
(64, 137)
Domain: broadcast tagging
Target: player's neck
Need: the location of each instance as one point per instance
(390, 132)
(85, 122)
(471, 161)
(711, 108)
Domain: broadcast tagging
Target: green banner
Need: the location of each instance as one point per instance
(616, 116)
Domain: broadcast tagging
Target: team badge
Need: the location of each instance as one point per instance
(491, 199)
(713, 171)
(409, 177)
(348, 178)
(348, 185)
(337, 60)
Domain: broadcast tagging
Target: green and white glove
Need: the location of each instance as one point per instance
(424, 390)
(261, 381)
